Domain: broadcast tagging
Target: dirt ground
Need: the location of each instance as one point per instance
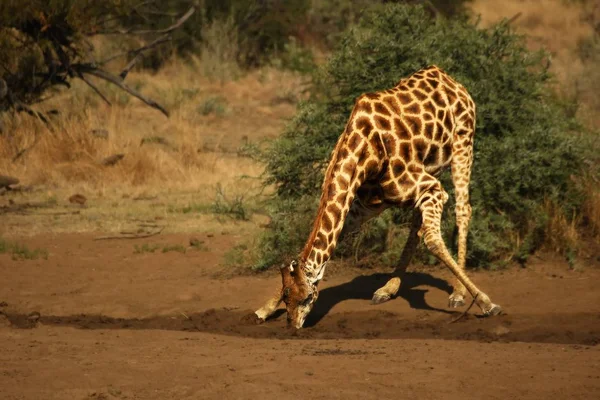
(97, 320)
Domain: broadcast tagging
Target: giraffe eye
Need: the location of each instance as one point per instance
(286, 292)
(307, 300)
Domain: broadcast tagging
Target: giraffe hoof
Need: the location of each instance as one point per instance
(495, 309)
(254, 318)
(380, 298)
(456, 301)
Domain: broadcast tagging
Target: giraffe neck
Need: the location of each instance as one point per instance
(342, 179)
(323, 238)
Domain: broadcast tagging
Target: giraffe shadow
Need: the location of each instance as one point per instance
(363, 287)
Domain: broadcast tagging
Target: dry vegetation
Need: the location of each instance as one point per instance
(563, 28)
(560, 27)
(175, 165)
(183, 158)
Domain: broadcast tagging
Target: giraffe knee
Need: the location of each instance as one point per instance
(444, 197)
(433, 241)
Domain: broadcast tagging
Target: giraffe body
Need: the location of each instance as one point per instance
(395, 144)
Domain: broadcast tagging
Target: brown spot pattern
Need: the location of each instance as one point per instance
(393, 137)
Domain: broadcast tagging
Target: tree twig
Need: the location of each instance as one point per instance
(514, 18)
(107, 76)
(94, 87)
(169, 29)
(135, 52)
(137, 236)
(464, 312)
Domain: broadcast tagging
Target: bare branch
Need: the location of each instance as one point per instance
(464, 312)
(107, 76)
(131, 236)
(162, 39)
(514, 18)
(22, 107)
(129, 66)
(170, 29)
(94, 87)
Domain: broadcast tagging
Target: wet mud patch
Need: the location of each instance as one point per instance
(580, 328)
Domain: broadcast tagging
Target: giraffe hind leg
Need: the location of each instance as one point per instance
(432, 205)
(390, 289)
(463, 216)
(461, 174)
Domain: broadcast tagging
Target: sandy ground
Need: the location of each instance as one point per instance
(98, 321)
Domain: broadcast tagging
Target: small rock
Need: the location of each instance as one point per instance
(7, 181)
(112, 160)
(77, 199)
(195, 242)
(155, 140)
(34, 316)
(500, 330)
(4, 321)
(99, 133)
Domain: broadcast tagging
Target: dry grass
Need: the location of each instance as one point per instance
(560, 27)
(591, 206)
(182, 161)
(561, 233)
(196, 141)
(555, 25)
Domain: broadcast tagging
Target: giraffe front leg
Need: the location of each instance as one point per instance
(269, 308)
(431, 208)
(391, 288)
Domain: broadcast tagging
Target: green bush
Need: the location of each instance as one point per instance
(525, 149)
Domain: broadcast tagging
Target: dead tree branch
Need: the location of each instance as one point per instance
(94, 87)
(115, 80)
(170, 29)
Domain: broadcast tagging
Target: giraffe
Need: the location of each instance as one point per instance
(396, 143)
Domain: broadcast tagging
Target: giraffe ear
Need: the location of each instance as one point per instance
(286, 273)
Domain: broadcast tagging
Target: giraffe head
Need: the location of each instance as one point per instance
(298, 294)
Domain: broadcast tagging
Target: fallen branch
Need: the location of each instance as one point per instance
(464, 312)
(136, 236)
(112, 160)
(61, 213)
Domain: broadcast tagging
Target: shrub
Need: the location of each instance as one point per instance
(525, 152)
